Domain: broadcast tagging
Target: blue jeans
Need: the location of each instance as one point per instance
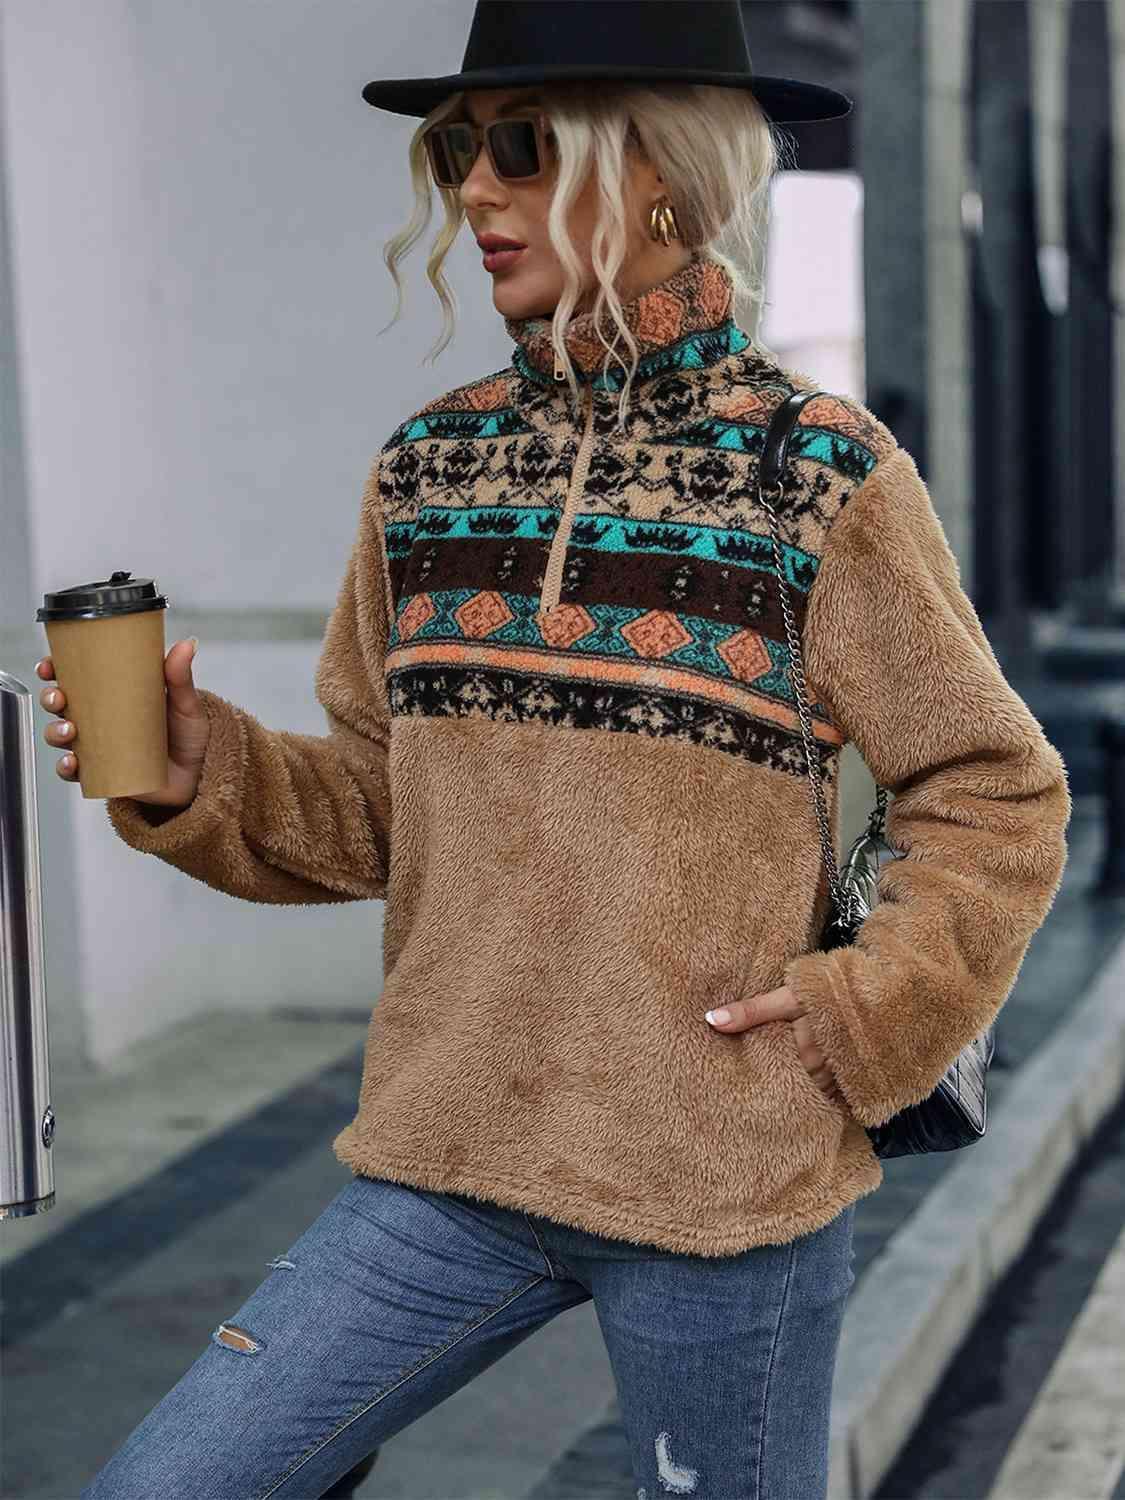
(396, 1296)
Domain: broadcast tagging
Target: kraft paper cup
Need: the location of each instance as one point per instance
(106, 640)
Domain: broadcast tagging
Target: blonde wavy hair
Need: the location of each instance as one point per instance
(715, 149)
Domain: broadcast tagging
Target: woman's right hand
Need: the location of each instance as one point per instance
(189, 728)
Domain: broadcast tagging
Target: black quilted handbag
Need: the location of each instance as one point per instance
(954, 1114)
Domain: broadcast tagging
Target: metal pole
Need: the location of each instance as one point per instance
(1111, 737)
(27, 1123)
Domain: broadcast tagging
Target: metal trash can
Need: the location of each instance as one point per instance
(27, 1121)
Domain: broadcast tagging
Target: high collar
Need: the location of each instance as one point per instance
(684, 322)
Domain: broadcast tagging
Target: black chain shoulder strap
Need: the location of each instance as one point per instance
(770, 468)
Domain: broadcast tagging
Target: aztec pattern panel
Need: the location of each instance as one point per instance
(669, 618)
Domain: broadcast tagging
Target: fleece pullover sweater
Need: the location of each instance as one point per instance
(563, 748)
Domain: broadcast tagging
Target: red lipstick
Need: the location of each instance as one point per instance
(499, 252)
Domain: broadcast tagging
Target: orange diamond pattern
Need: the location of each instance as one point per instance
(658, 632)
(565, 624)
(482, 614)
(745, 654)
(420, 609)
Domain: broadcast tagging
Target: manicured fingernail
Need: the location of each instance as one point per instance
(52, 699)
(718, 1016)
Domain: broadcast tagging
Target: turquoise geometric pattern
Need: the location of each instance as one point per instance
(695, 351)
(459, 424)
(608, 534)
(715, 649)
(841, 453)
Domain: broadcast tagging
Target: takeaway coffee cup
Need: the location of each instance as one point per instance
(106, 640)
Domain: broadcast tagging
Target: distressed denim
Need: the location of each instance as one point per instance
(396, 1296)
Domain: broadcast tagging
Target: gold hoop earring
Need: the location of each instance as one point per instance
(662, 223)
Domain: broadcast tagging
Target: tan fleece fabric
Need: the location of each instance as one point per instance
(981, 805)
(592, 822)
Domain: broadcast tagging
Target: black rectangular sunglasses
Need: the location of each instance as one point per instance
(517, 147)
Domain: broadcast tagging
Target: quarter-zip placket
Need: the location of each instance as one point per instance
(552, 576)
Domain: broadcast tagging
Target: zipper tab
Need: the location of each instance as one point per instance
(560, 369)
(556, 556)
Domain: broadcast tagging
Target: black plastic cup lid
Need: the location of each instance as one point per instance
(121, 594)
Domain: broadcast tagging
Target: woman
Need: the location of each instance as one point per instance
(563, 747)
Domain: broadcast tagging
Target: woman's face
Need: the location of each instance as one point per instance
(530, 283)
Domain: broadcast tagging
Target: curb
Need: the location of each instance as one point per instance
(912, 1308)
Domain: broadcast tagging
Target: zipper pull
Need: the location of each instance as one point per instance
(560, 370)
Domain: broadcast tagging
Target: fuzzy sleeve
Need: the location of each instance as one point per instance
(290, 818)
(894, 648)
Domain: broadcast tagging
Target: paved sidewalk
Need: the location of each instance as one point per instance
(169, 1209)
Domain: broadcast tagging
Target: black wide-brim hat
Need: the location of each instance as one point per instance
(516, 43)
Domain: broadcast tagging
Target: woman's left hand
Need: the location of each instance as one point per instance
(779, 1005)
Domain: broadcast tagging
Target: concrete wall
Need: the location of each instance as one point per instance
(814, 316)
(197, 201)
(1117, 187)
(948, 196)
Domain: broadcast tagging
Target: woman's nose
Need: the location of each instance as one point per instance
(482, 188)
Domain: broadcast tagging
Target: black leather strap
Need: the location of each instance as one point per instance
(778, 434)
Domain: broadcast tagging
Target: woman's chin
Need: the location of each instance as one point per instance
(511, 300)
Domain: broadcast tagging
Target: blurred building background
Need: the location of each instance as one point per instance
(193, 201)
